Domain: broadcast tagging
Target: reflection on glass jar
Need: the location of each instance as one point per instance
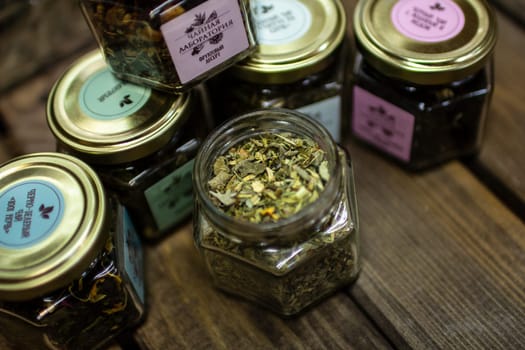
(276, 214)
(141, 142)
(423, 79)
(71, 274)
(299, 64)
(170, 45)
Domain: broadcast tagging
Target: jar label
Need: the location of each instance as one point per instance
(382, 124)
(171, 199)
(428, 20)
(328, 113)
(105, 97)
(280, 21)
(31, 211)
(133, 256)
(205, 37)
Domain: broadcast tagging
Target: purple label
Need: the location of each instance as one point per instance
(428, 20)
(205, 37)
(382, 124)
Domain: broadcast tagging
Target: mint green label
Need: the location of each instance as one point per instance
(133, 256)
(171, 199)
(30, 211)
(105, 97)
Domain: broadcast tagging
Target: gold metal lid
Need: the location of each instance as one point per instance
(104, 120)
(425, 41)
(53, 209)
(295, 38)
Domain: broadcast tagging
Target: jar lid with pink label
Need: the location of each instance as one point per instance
(426, 41)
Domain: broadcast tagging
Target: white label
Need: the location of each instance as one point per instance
(280, 21)
(204, 37)
(328, 113)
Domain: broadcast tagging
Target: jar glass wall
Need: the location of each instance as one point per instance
(84, 284)
(291, 263)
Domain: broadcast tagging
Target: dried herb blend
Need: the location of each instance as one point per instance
(300, 63)
(92, 287)
(275, 214)
(421, 88)
(269, 177)
(141, 142)
(170, 45)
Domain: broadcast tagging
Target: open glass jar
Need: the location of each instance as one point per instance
(170, 45)
(71, 272)
(299, 63)
(269, 229)
(423, 80)
(140, 141)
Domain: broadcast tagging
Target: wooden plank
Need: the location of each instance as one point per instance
(187, 312)
(502, 158)
(24, 110)
(444, 260)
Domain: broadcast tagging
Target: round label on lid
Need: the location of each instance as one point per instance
(30, 211)
(105, 97)
(428, 20)
(280, 21)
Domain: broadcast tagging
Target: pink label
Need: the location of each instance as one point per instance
(204, 37)
(382, 124)
(428, 20)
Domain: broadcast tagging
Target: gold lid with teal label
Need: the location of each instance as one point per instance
(425, 41)
(105, 120)
(295, 38)
(54, 223)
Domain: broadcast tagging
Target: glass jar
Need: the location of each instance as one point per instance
(170, 45)
(423, 80)
(140, 141)
(299, 64)
(289, 262)
(71, 274)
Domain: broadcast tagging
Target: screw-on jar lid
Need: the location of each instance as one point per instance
(295, 38)
(425, 41)
(105, 120)
(54, 223)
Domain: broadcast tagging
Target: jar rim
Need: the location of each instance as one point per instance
(254, 123)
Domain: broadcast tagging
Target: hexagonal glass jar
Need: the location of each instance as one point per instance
(71, 274)
(294, 262)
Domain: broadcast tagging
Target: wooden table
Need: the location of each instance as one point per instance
(443, 251)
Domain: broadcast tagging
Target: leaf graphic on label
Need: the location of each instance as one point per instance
(199, 19)
(197, 49)
(216, 39)
(437, 6)
(44, 211)
(212, 17)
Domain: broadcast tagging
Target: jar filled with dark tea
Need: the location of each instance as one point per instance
(276, 214)
(170, 45)
(299, 63)
(140, 141)
(71, 274)
(423, 80)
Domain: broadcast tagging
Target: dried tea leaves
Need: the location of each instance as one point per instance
(268, 177)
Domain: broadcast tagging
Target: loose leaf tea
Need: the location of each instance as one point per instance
(268, 177)
(129, 40)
